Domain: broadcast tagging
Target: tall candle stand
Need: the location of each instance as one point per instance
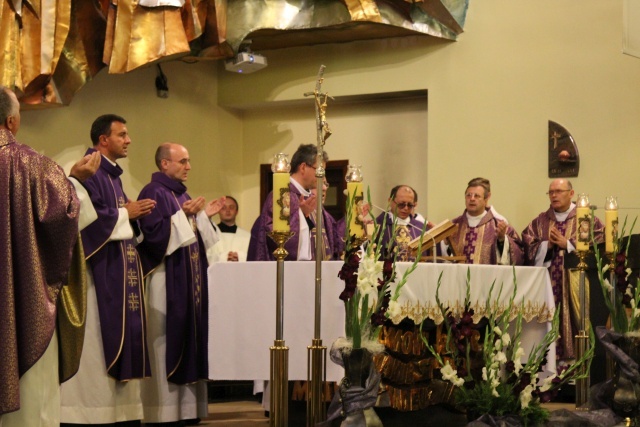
(279, 352)
(582, 339)
(613, 279)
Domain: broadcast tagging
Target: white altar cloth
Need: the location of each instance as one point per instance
(242, 309)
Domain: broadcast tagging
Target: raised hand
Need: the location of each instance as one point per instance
(193, 206)
(214, 206)
(309, 205)
(502, 230)
(86, 167)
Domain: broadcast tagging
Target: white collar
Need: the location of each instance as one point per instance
(401, 221)
(301, 189)
(562, 216)
(475, 220)
(109, 160)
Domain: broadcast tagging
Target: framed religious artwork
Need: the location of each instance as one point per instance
(564, 159)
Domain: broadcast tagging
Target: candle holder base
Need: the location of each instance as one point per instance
(280, 237)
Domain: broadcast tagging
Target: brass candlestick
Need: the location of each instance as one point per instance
(613, 279)
(279, 372)
(582, 339)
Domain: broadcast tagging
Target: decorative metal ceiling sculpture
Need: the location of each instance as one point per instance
(53, 47)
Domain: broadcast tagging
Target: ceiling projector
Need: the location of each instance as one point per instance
(245, 62)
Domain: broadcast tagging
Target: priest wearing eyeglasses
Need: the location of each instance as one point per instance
(484, 237)
(547, 239)
(402, 203)
(304, 163)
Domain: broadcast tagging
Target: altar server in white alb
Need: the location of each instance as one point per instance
(234, 241)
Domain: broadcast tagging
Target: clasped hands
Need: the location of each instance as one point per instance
(557, 238)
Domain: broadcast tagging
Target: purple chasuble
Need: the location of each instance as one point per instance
(537, 232)
(479, 244)
(117, 274)
(186, 281)
(39, 216)
(403, 235)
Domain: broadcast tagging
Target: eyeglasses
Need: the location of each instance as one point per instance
(405, 205)
(552, 192)
(474, 196)
(312, 167)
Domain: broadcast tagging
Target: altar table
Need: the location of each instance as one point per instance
(242, 309)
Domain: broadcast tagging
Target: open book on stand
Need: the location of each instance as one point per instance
(434, 236)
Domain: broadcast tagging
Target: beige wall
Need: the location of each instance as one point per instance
(519, 64)
(189, 116)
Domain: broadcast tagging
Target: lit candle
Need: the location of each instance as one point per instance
(583, 224)
(281, 197)
(355, 198)
(611, 223)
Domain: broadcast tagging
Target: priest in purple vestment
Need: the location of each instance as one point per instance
(176, 237)
(547, 238)
(303, 204)
(118, 329)
(40, 214)
(482, 237)
(402, 202)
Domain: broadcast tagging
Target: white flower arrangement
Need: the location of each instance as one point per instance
(497, 379)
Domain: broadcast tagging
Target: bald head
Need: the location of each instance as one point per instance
(560, 194)
(403, 200)
(173, 160)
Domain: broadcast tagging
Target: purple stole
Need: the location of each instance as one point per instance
(186, 281)
(117, 273)
(404, 234)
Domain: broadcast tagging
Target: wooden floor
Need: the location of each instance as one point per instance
(236, 414)
(251, 414)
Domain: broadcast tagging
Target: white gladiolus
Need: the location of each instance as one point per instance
(517, 360)
(525, 396)
(368, 272)
(500, 357)
(484, 373)
(450, 374)
(547, 382)
(506, 339)
(608, 285)
(394, 310)
(497, 331)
